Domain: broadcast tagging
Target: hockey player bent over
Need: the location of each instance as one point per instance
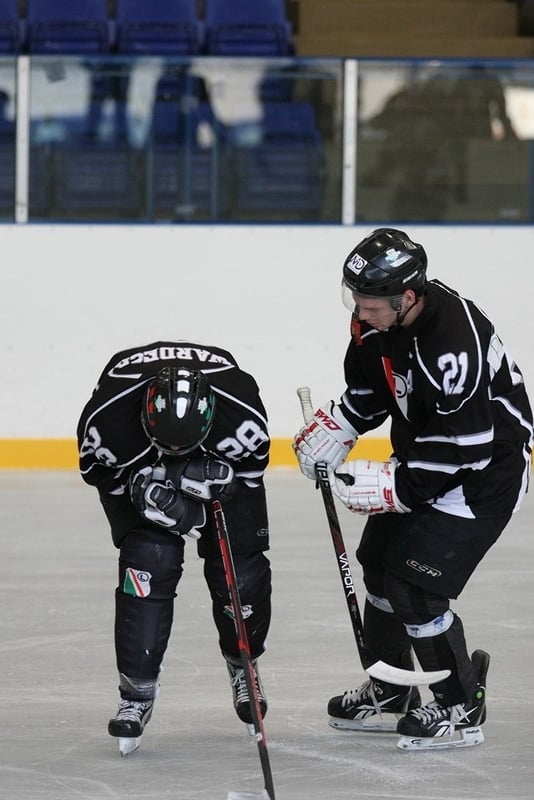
(461, 432)
(171, 426)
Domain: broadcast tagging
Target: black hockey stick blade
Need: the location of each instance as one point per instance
(246, 659)
(375, 668)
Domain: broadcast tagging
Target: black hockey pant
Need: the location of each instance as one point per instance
(415, 563)
(150, 568)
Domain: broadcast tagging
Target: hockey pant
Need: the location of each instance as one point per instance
(413, 618)
(150, 568)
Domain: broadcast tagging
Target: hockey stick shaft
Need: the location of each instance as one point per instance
(375, 668)
(337, 540)
(243, 645)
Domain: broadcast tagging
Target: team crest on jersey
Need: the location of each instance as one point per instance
(137, 582)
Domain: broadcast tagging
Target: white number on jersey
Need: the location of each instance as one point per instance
(454, 368)
(92, 444)
(248, 437)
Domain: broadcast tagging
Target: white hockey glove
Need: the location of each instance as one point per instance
(204, 478)
(329, 437)
(158, 500)
(367, 487)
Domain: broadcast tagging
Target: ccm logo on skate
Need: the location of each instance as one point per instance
(430, 571)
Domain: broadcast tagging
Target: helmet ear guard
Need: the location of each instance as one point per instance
(178, 410)
(386, 264)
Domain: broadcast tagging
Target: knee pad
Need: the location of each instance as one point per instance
(414, 606)
(151, 565)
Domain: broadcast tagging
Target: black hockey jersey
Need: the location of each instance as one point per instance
(111, 439)
(461, 421)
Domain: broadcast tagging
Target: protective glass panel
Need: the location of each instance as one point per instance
(202, 140)
(445, 141)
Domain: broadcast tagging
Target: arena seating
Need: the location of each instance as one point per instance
(315, 28)
(146, 27)
(68, 27)
(11, 28)
(157, 27)
(239, 27)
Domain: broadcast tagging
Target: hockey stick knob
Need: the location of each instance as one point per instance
(304, 394)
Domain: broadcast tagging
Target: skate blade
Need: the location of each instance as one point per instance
(248, 795)
(467, 737)
(128, 745)
(379, 725)
(251, 732)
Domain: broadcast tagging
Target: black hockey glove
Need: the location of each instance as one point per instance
(204, 478)
(157, 499)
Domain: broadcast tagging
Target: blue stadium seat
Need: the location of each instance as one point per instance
(187, 176)
(67, 27)
(157, 27)
(11, 28)
(285, 172)
(242, 27)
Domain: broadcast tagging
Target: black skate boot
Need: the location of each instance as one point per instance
(438, 727)
(135, 710)
(129, 723)
(375, 706)
(240, 691)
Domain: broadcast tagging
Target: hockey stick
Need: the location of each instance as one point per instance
(246, 659)
(376, 669)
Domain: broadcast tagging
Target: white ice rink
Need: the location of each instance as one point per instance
(58, 680)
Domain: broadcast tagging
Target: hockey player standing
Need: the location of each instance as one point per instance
(461, 431)
(169, 427)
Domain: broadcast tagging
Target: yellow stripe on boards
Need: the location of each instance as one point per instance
(62, 453)
(38, 454)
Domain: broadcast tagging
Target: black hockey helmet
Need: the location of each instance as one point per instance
(178, 410)
(385, 264)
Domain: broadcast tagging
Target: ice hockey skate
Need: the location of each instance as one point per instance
(240, 692)
(375, 706)
(129, 723)
(434, 726)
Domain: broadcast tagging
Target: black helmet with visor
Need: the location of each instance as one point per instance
(384, 264)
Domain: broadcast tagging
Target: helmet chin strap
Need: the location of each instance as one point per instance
(401, 316)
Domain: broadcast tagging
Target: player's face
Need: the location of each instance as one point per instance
(376, 311)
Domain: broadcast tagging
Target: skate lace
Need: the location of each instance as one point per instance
(239, 684)
(364, 692)
(433, 712)
(131, 710)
